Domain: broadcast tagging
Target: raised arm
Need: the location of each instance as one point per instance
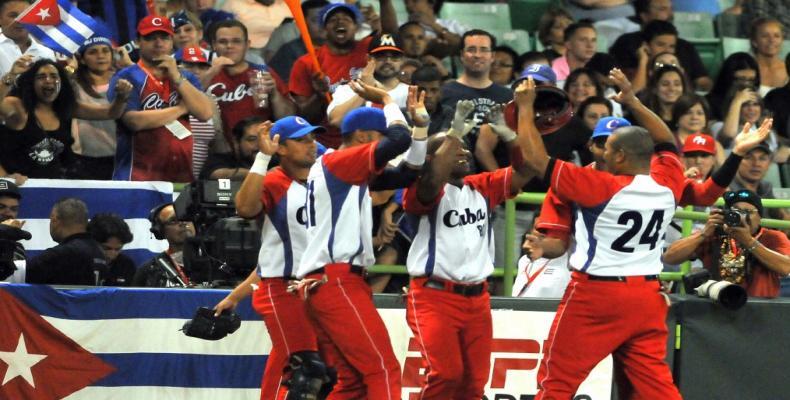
(521, 172)
(113, 110)
(336, 112)
(248, 199)
(395, 138)
(529, 140)
(659, 131)
(11, 108)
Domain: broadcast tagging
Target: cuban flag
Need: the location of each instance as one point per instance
(133, 201)
(59, 25)
(125, 344)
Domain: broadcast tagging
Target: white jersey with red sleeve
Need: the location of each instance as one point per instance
(620, 220)
(283, 236)
(339, 210)
(454, 239)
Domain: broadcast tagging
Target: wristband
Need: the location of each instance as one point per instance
(392, 113)
(416, 154)
(756, 243)
(419, 133)
(261, 164)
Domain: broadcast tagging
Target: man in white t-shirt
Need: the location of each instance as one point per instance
(540, 276)
(385, 56)
(15, 40)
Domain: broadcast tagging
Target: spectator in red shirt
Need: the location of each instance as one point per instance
(763, 252)
(230, 80)
(340, 58)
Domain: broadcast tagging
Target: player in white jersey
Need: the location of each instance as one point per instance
(613, 303)
(280, 195)
(448, 307)
(352, 335)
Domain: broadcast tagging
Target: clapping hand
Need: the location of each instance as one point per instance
(749, 139)
(370, 92)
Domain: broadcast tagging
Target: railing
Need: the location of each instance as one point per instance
(508, 272)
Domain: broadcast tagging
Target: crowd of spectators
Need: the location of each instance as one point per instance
(184, 105)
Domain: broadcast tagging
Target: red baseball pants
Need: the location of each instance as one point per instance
(454, 333)
(352, 337)
(598, 318)
(289, 327)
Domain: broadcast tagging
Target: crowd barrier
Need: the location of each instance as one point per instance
(111, 343)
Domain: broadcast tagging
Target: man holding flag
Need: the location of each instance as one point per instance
(15, 39)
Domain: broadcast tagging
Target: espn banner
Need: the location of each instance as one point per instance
(116, 343)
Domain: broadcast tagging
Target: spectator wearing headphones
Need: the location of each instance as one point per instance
(167, 269)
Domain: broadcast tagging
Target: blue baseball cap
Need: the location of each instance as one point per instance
(328, 9)
(94, 41)
(364, 118)
(293, 128)
(607, 125)
(539, 73)
(320, 149)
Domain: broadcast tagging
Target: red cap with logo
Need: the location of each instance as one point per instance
(192, 54)
(154, 23)
(700, 142)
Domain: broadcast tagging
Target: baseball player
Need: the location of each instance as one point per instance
(351, 334)
(448, 307)
(613, 303)
(555, 221)
(280, 194)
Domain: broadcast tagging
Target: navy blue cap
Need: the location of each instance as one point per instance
(180, 19)
(94, 41)
(539, 72)
(333, 7)
(607, 125)
(364, 118)
(320, 149)
(293, 128)
(9, 189)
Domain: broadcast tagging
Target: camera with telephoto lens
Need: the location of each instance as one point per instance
(9, 235)
(728, 294)
(733, 217)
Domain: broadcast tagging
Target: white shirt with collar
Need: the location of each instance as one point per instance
(10, 52)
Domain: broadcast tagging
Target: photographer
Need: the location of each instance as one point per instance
(77, 259)
(167, 269)
(733, 246)
(9, 209)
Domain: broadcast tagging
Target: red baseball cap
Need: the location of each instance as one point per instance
(192, 54)
(154, 23)
(700, 142)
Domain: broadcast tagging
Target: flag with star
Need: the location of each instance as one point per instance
(59, 25)
(123, 343)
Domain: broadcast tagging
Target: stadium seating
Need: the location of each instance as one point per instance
(488, 16)
(694, 25)
(517, 39)
(525, 14)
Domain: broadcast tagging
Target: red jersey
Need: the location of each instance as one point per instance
(337, 67)
(234, 97)
(762, 282)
